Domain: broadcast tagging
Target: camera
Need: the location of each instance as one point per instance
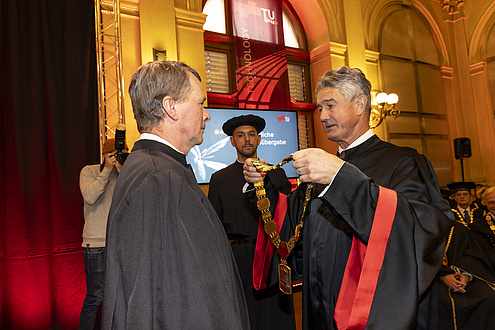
(120, 144)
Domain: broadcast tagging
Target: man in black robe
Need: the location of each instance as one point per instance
(268, 307)
(466, 283)
(168, 263)
(400, 251)
(465, 210)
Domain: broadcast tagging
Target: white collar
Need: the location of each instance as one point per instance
(363, 138)
(149, 136)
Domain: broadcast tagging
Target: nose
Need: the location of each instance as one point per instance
(206, 115)
(324, 115)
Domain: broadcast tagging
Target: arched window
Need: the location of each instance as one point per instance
(219, 48)
(410, 67)
(219, 62)
(215, 21)
(490, 59)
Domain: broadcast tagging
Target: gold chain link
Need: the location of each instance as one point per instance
(264, 206)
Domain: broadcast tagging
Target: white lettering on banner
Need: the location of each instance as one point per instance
(273, 142)
(267, 134)
(247, 57)
(269, 16)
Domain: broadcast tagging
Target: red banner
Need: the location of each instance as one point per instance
(261, 61)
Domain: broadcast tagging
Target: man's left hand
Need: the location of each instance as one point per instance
(251, 173)
(118, 166)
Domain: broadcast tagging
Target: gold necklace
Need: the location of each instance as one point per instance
(461, 218)
(489, 221)
(445, 260)
(284, 248)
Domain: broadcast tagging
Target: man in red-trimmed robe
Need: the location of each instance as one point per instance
(379, 210)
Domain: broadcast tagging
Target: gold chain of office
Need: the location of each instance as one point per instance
(263, 204)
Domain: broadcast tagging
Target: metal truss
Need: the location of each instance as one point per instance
(109, 66)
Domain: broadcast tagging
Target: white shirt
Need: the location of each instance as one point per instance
(149, 136)
(360, 140)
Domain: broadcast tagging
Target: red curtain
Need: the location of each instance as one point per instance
(49, 131)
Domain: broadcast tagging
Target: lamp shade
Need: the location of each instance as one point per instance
(381, 98)
(392, 98)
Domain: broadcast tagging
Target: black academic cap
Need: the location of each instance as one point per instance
(446, 192)
(462, 185)
(230, 125)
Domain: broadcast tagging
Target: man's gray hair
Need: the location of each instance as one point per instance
(350, 82)
(151, 83)
(488, 191)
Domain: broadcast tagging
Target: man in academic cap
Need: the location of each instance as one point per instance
(268, 307)
(465, 211)
(466, 280)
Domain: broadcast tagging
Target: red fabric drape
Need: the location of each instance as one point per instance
(261, 61)
(49, 131)
(357, 292)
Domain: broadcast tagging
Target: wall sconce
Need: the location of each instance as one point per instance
(383, 105)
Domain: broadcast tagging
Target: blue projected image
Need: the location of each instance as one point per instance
(279, 139)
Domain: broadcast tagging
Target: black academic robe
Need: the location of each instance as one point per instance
(268, 308)
(486, 235)
(474, 308)
(403, 297)
(168, 261)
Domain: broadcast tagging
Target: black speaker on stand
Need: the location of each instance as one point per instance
(462, 149)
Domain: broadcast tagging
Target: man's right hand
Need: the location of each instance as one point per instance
(251, 173)
(110, 160)
(316, 165)
(457, 282)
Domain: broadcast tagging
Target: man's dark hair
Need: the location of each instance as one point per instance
(151, 83)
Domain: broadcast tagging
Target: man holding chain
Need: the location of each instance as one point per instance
(379, 208)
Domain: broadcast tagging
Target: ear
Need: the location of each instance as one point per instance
(259, 139)
(168, 105)
(232, 141)
(360, 104)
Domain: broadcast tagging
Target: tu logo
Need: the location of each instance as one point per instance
(269, 16)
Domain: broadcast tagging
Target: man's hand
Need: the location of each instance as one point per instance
(111, 161)
(457, 282)
(316, 165)
(251, 174)
(118, 166)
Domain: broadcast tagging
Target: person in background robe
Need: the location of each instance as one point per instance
(465, 210)
(484, 226)
(466, 283)
(268, 307)
(168, 261)
(403, 246)
(479, 191)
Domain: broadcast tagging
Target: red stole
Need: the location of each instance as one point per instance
(356, 293)
(264, 246)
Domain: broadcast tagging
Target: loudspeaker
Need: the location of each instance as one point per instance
(462, 148)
